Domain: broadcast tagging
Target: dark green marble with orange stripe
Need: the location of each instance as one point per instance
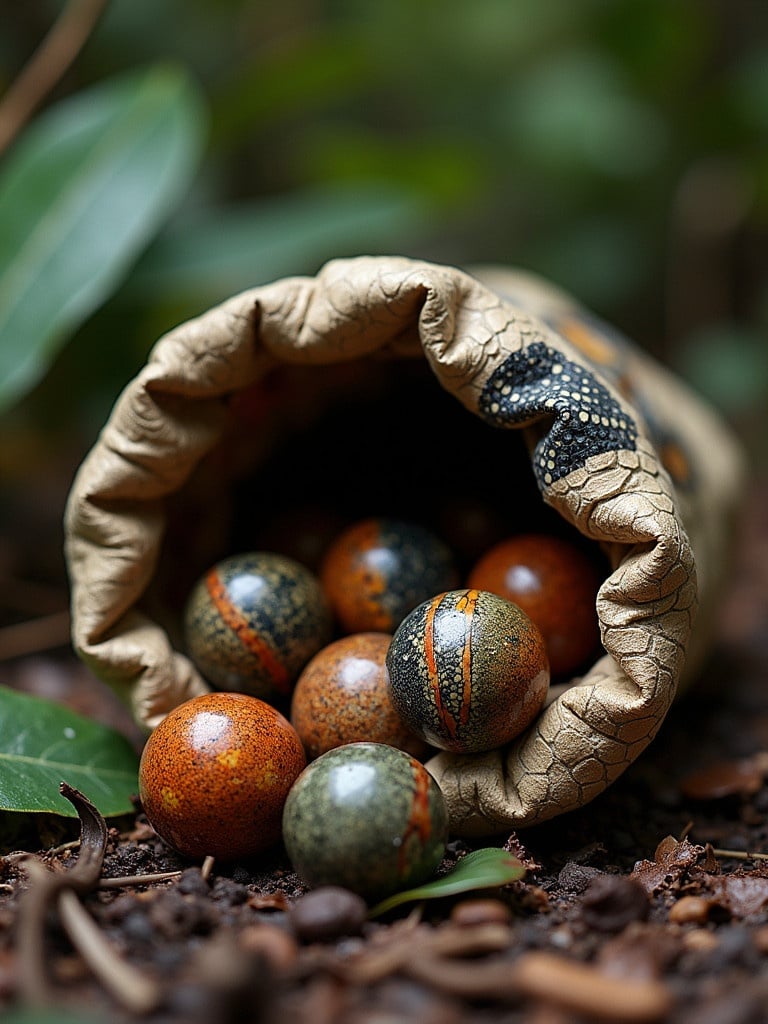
(468, 670)
(365, 816)
(253, 621)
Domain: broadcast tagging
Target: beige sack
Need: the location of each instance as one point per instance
(620, 447)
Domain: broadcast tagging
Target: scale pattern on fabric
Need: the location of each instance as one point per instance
(588, 420)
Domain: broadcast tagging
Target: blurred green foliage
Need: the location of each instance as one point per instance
(616, 146)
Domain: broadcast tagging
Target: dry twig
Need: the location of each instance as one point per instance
(49, 62)
(133, 989)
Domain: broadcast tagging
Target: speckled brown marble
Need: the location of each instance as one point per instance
(215, 773)
(368, 817)
(555, 583)
(468, 670)
(378, 569)
(254, 620)
(342, 696)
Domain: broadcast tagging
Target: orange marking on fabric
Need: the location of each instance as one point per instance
(434, 681)
(419, 821)
(247, 636)
(589, 342)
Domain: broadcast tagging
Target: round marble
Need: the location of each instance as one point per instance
(555, 582)
(367, 817)
(342, 696)
(215, 773)
(254, 620)
(378, 569)
(468, 670)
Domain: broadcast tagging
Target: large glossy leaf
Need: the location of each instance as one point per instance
(43, 744)
(81, 194)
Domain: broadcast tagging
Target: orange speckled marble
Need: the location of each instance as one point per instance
(342, 696)
(215, 773)
(555, 583)
(378, 569)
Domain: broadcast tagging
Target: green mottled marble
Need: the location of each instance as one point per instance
(368, 817)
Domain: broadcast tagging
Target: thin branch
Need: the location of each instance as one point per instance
(35, 635)
(740, 854)
(127, 881)
(47, 65)
(33, 984)
(134, 990)
(207, 868)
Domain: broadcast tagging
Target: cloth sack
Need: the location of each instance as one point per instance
(619, 447)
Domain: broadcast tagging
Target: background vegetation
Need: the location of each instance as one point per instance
(193, 148)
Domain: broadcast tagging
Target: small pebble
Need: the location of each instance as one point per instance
(700, 941)
(577, 878)
(760, 939)
(231, 894)
(327, 913)
(690, 910)
(192, 883)
(480, 911)
(275, 944)
(613, 901)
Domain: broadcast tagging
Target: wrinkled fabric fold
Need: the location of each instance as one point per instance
(619, 446)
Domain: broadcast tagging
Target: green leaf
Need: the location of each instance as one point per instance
(43, 744)
(728, 364)
(56, 1016)
(482, 869)
(81, 195)
(214, 254)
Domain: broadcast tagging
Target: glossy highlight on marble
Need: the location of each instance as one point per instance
(254, 620)
(215, 773)
(342, 696)
(378, 569)
(368, 817)
(468, 670)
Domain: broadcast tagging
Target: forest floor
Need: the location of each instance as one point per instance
(650, 904)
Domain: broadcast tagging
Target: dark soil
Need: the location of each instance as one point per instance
(650, 904)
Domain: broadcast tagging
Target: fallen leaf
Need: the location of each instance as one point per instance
(741, 894)
(671, 863)
(488, 868)
(724, 778)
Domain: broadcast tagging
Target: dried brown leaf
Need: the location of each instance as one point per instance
(724, 778)
(670, 866)
(741, 894)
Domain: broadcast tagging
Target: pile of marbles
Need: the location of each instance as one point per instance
(333, 687)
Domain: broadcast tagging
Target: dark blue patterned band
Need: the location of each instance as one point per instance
(539, 381)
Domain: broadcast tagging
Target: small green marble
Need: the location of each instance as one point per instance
(254, 620)
(368, 817)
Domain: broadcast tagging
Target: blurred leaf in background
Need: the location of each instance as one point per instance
(80, 196)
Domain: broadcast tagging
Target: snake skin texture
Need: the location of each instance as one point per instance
(504, 349)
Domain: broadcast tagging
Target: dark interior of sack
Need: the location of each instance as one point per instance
(313, 449)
